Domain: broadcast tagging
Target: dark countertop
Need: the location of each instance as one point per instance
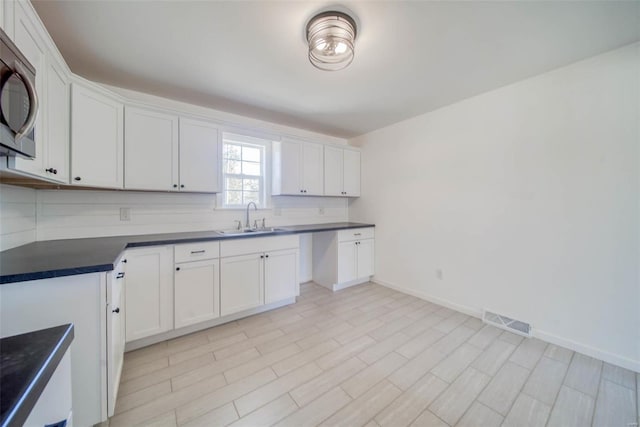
(27, 362)
(58, 258)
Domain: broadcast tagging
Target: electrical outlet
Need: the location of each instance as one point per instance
(321, 211)
(439, 274)
(125, 214)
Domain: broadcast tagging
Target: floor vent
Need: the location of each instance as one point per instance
(504, 322)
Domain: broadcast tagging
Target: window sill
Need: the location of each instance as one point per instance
(239, 208)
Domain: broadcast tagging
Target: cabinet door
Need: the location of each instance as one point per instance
(31, 45)
(280, 275)
(351, 183)
(197, 292)
(365, 257)
(333, 171)
(150, 150)
(57, 109)
(312, 169)
(347, 262)
(241, 283)
(149, 292)
(286, 168)
(199, 152)
(115, 338)
(96, 139)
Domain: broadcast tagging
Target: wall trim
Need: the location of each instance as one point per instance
(597, 353)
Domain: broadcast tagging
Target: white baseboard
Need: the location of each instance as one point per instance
(144, 342)
(337, 286)
(597, 353)
(427, 297)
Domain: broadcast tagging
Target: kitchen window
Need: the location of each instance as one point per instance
(243, 170)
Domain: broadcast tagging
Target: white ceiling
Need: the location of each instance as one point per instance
(250, 58)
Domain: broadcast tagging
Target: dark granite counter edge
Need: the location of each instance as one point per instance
(24, 405)
(285, 230)
(25, 277)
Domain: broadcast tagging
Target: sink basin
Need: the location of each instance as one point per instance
(235, 232)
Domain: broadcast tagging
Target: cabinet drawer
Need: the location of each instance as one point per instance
(258, 244)
(196, 251)
(355, 234)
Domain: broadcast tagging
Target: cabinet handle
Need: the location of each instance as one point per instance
(117, 310)
(198, 252)
(261, 256)
(181, 185)
(266, 256)
(357, 234)
(177, 268)
(52, 170)
(124, 261)
(120, 275)
(77, 178)
(175, 185)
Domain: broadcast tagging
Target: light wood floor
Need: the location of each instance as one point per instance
(370, 356)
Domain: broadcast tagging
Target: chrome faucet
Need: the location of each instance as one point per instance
(248, 224)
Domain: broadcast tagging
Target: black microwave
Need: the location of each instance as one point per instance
(18, 101)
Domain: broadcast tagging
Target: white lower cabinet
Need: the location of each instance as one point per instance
(257, 271)
(365, 258)
(149, 291)
(343, 258)
(241, 283)
(196, 292)
(115, 314)
(81, 300)
(209, 280)
(347, 262)
(280, 275)
(249, 281)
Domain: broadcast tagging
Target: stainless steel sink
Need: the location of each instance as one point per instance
(235, 232)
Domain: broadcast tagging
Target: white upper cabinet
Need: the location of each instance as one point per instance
(52, 86)
(333, 171)
(165, 153)
(341, 172)
(351, 174)
(312, 169)
(58, 111)
(151, 150)
(297, 168)
(199, 156)
(96, 138)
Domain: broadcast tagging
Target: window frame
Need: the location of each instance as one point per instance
(264, 178)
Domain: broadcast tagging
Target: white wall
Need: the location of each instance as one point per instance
(527, 199)
(17, 216)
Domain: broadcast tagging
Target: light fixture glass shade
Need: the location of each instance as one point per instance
(331, 37)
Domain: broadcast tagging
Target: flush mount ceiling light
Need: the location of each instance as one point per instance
(331, 36)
